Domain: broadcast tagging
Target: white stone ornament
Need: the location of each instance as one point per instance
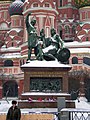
(41, 1)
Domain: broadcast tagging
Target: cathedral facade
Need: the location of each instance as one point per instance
(70, 18)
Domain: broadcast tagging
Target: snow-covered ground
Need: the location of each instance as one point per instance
(4, 106)
(82, 104)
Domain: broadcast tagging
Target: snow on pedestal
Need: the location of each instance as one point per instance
(37, 63)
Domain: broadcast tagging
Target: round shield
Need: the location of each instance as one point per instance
(63, 55)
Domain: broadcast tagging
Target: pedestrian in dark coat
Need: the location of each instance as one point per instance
(14, 112)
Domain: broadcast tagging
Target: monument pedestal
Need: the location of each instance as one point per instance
(44, 82)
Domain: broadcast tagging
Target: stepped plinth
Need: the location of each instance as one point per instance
(44, 82)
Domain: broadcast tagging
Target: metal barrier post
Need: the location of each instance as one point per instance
(64, 115)
(89, 116)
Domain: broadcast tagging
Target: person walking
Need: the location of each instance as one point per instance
(14, 113)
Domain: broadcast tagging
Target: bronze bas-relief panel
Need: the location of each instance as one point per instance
(49, 74)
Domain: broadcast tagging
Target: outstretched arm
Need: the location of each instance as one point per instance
(27, 20)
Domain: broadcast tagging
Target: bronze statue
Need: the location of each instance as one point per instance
(56, 43)
(51, 48)
(32, 35)
(62, 54)
(32, 38)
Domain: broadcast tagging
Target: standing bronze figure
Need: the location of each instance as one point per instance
(32, 37)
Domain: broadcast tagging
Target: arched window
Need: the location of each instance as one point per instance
(60, 31)
(74, 60)
(86, 60)
(12, 44)
(35, 4)
(20, 62)
(47, 5)
(67, 29)
(10, 89)
(60, 3)
(8, 63)
(73, 29)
